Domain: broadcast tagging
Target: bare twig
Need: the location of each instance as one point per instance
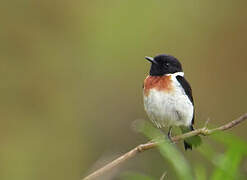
(143, 147)
(163, 176)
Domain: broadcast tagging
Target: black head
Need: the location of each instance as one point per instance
(164, 64)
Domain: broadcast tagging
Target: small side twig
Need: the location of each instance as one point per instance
(143, 147)
(163, 176)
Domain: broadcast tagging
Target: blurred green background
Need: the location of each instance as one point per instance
(72, 74)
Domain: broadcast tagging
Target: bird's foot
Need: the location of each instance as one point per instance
(169, 135)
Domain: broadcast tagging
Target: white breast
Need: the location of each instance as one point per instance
(169, 108)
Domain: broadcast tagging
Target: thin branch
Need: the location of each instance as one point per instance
(143, 147)
(163, 176)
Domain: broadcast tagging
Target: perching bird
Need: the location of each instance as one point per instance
(168, 97)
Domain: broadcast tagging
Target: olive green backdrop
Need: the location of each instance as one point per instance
(72, 74)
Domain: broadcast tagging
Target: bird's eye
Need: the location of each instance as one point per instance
(167, 64)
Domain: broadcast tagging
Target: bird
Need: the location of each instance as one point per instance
(168, 99)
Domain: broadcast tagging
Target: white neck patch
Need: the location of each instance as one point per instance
(177, 74)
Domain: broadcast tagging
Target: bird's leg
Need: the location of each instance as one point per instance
(169, 135)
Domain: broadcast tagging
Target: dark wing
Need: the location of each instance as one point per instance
(188, 91)
(186, 86)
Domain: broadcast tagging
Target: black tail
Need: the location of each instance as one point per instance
(192, 141)
(187, 146)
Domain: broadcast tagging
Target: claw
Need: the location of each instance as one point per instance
(169, 135)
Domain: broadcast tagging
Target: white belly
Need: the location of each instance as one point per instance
(169, 108)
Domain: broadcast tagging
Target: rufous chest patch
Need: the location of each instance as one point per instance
(160, 83)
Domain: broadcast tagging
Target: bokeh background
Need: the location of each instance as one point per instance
(72, 74)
